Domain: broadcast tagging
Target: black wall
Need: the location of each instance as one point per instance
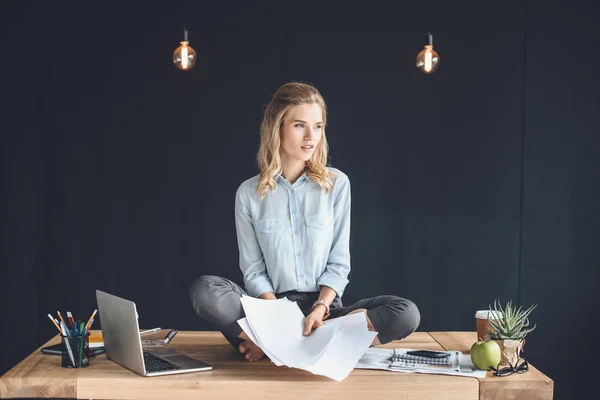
(479, 181)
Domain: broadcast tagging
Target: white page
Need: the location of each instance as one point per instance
(248, 329)
(376, 358)
(270, 321)
(278, 326)
(352, 340)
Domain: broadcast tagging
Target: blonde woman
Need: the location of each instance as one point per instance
(293, 230)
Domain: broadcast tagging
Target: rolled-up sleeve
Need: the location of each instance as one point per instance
(338, 264)
(252, 263)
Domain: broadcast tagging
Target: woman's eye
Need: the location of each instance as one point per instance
(318, 127)
(299, 126)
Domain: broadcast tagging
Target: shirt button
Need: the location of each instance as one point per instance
(298, 254)
(300, 276)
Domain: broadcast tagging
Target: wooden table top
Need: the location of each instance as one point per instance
(40, 375)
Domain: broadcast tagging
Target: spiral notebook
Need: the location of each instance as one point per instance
(403, 355)
(401, 359)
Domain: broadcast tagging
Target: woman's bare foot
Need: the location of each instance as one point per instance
(252, 351)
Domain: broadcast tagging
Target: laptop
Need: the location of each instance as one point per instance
(123, 344)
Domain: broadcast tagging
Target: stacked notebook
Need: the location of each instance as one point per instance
(423, 356)
(407, 358)
(95, 340)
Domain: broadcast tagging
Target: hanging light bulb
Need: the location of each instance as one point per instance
(184, 57)
(428, 60)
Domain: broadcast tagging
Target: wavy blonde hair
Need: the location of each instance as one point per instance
(290, 95)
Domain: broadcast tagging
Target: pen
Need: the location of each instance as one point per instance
(66, 330)
(54, 322)
(60, 325)
(61, 318)
(149, 331)
(88, 328)
(92, 317)
(81, 344)
(70, 316)
(170, 336)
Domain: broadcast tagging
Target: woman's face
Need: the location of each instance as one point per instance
(301, 132)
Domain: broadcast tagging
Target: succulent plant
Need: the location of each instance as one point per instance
(510, 323)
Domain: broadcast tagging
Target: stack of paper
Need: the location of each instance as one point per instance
(331, 350)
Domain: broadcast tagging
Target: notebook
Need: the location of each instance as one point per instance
(95, 340)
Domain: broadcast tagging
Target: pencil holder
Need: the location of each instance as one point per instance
(75, 351)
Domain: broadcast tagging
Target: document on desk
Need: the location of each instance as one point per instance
(331, 350)
(387, 359)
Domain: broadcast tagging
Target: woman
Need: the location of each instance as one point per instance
(293, 231)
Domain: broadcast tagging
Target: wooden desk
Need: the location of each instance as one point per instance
(41, 375)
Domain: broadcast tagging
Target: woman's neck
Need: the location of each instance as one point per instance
(292, 170)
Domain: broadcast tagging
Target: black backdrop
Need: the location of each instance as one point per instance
(479, 181)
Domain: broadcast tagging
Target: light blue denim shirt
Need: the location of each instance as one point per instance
(296, 238)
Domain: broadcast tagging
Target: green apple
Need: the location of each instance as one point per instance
(485, 354)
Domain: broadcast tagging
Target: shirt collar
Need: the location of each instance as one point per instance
(280, 179)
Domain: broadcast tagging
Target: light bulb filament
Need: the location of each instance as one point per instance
(428, 59)
(184, 55)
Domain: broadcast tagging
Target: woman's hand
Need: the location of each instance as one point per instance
(313, 320)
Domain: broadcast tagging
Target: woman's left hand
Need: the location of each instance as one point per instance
(313, 320)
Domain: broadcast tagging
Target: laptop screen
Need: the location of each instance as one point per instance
(120, 331)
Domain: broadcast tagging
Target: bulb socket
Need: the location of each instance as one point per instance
(429, 39)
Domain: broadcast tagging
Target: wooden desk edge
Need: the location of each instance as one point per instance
(10, 386)
(491, 387)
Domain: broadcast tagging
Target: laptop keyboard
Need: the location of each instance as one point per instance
(155, 364)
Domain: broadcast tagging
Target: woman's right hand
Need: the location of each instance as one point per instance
(313, 320)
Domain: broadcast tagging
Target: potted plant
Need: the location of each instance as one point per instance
(509, 326)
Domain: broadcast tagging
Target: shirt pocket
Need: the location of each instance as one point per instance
(319, 232)
(269, 232)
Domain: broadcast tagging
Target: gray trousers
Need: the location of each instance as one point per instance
(217, 301)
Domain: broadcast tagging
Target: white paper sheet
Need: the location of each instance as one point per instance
(278, 325)
(246, 328)
(331, 350)
(351, 341)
